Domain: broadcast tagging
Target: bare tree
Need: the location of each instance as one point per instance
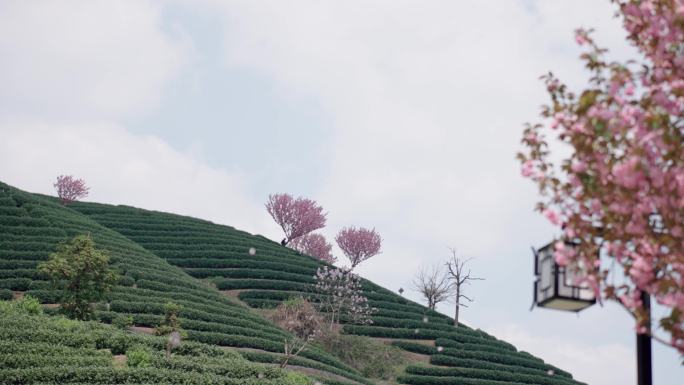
(299, 317)
(434, 284)
(458, 278)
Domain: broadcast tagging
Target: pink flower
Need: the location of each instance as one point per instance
(641, 271)
(563, 254)
(672, 300)
(578, 166)
(629, 89)
(527, 168)
(580, 37)
(626, 174)
(552, 216)
(531, 137)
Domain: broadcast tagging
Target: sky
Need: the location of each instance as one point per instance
(400, 115)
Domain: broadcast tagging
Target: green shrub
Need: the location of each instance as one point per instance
(273, 358)
(372, 358)
(82, 273)
(29, 305)
(415, 347)
(6, 294)
(20, 284)
(139, 357)
(444, 360)
(508, 376)
(297, 378)
(123, 321)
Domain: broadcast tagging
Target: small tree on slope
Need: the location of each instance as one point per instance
(82, 273)
(358, 244)
(297, 217)
(339, 294)
(70, 189)
(433, 284)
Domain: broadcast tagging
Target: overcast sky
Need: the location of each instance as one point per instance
(399, 115)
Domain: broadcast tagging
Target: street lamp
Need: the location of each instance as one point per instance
(555, 287)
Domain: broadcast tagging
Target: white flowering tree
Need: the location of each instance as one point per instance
(339, 293)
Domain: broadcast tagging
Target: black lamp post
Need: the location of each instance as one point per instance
(555, 288)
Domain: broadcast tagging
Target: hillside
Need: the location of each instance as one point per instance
(31, 226)
(224, 290)
(35, 348)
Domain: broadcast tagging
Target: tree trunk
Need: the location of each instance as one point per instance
(458, 296)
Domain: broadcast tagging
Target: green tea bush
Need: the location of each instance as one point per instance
(372, 358)
(40, 349)
(139, 357)
(516, 376)
(234, 284)
(29, 305)
(415, 347)
(444, 360)
(6, 294)
(122, 321)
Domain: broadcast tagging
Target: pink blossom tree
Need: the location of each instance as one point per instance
(619, 195)
(297, 217)
(70, 189)
(358, 244)
(314, 245)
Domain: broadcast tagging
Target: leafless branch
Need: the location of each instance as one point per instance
(458, 278)
(433, 283)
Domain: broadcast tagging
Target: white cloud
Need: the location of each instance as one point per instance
(71, 71)
(123, 168)
(92, 58)
(427, 99)
(597, 364)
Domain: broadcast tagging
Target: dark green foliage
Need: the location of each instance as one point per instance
(20, 284)
(81, 273)
(25, 305)
(445, 360)
(122, 321)
(415, 347)
(234, 284)
(6, 294)
(171, 322)
(525, 377)
(373, 359)
(274, 358)
(139, 357)
(422, 379)
(38, 349)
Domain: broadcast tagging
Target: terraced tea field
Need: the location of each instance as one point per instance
(31, 226)
(219, 254)
(225, 279)
(35, 348)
